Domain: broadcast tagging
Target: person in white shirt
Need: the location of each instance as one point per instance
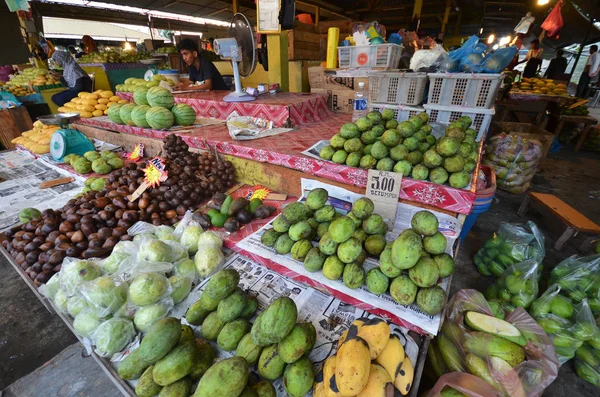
(590, 73)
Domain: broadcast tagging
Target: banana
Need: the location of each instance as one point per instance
(391, 358)
(377, 333)
(379, 384)
(352, 366)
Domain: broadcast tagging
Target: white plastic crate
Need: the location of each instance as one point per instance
(401, 112)
(481, 118)
(471, 90)
(384, 56)
(397, 88)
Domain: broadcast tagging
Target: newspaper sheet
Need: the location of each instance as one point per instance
(342, 200)
(21, 175)
(330, 316)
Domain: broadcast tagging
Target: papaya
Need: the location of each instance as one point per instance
(247, 349)
(204, 359)
(298, 377)
(175, 365)
(376, 332)
(181, 388)
(226, 378)
(233, 306)
(232, 333)
(275, 323)
(196, 314)
(212, 326)
(379, 383)
(222, 284)
(270, 365)
(146, 386)
(352, 366)
(297, 343)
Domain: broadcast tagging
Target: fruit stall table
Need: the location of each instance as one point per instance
(278, 162)
(108, 75)
(587, 121)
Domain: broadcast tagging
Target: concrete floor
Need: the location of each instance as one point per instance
(31, 337)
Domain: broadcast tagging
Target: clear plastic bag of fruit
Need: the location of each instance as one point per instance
(579, 277)
(467, 384)
(518, 285)
(567, 323)
(513, 243)
(513, 355)
(105, 295)
(587, 372)
(74, 272)
(112, 336)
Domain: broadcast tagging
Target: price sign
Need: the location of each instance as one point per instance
(383, 188)
(137, 153)
(154, 174)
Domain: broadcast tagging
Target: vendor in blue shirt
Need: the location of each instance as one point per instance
(201, 70)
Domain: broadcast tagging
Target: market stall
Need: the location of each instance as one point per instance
(108, 75)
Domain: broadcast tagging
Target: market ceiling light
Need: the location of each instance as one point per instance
(491, 38)
(144, 11)
(543, 2)
(481, 31)
(127, 46)
(495, 47)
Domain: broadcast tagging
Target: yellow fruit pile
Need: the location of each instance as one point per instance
(19, 90)
(93, 104)
(37, 140)
(368, 359)
(541, 86)
(32, 76)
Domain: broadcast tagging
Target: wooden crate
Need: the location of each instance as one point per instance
(303, 46)
(12, 123)
(345, 25)
(525, 130)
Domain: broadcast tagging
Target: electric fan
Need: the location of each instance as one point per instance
(239, 47)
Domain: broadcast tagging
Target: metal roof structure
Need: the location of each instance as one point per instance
(75, 29)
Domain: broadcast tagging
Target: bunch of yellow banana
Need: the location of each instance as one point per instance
(37, 140)
(370, 362)
(92, 104)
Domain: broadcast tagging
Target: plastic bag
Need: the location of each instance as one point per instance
(112, 336)
(148, 288)
(74, 272)
(123, 253)
(151, 250)
(554, 20)
(429, 60)
(86, 322)
(467, 384)
(579, 277)
(512, 155)
(105, 295)
(567, 324)
(145, 317)
(188, 232)
(525, 23)
(469, 57)
(497, 61)
(518, 285)
(587, 361)
(513, 243)
(529, 378)
(209, 260)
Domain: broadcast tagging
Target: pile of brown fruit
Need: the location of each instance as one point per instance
(91, 225)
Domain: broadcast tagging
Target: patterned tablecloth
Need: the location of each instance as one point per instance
(116, 66)
(285, 109)
(285, 150)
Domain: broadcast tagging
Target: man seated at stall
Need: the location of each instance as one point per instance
(203, 73)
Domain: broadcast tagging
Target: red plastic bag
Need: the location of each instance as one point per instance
(529, 378)
(554, 21)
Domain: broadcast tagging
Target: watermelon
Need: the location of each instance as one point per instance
(184, 114)
(125, 113)
(138, 115)
(114, 113)
(139, 96)
(158, 96)
(159, 118)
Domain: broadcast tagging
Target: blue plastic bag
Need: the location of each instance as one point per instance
(468, 57)
(8, 100)
(498, 60)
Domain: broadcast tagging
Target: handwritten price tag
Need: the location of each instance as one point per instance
(383, 188)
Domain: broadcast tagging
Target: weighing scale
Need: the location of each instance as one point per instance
(152, 67)
(66, 141)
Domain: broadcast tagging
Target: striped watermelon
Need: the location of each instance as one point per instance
(158, 96)
(139, 96)
(125, 113)
(114, 113)
(138, 115)
(184, 114)
(159, 118)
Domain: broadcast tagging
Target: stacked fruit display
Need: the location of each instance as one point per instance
(113, 57)
(580, 110)
(132, 84)
(536, 85)
(92, 161)
(369, 362)
(37, 140)
(32, 77)
(154, 108)
(19, 90)
(93, 104)
(379, 142)
(579, 277)
(225, 211)
(518, 286)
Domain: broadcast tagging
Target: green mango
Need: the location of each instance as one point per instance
(270, 365)
(181, 388)
(175, 365)
(226, 378)
(146, 386)
(232, 333)
(204, 359)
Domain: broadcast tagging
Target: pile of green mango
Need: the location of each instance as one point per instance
(569, 325)
(275, 343)
(377, 141)
(587, 361)
(518, 286)
(510, 245)
(579, 277)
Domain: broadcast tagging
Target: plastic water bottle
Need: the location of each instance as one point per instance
(361, 103)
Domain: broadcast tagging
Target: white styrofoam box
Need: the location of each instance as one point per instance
(384, 56)
(470, 90)
(481, 118)
(397, 88)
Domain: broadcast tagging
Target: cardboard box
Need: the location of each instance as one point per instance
(338, 100)
(303, 46)
(317, 78)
